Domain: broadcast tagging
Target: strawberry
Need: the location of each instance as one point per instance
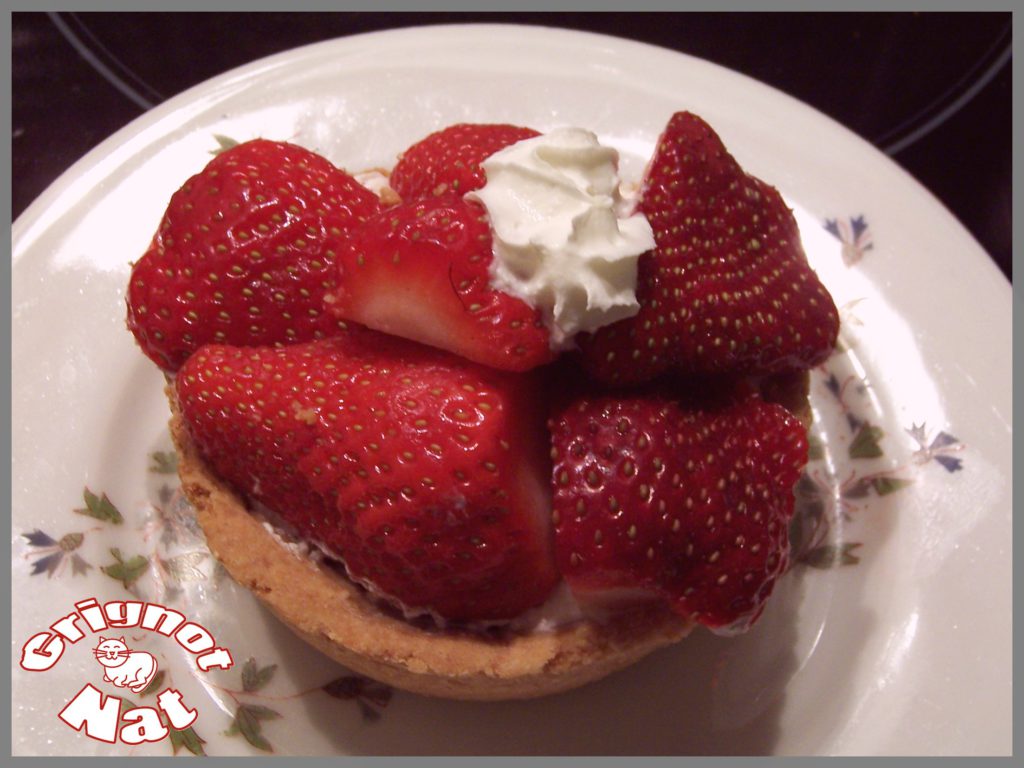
(420, 270)
(245, 252)
(728, 286)
(690, 505)
(426, 474)
(448, 161)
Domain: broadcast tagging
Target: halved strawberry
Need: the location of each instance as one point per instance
(245, 252)
(447, 162)
(420, 270)
(690, 505)
(728, 287)
(427, 474)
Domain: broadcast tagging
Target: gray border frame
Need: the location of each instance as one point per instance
(790, 5)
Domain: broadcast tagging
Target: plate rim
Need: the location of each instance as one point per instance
(163, 110)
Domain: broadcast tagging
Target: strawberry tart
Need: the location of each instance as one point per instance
(498, 427)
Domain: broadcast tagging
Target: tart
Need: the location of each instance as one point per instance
(326, 609)
(474, 466)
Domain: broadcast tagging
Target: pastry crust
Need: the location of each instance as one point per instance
(337, 617)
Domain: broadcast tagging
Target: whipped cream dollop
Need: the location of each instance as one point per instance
(566, 240)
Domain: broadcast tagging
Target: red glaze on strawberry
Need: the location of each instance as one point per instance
(728, 287)
(427, 474)
(421, 271)
(245, 252)
(689, 505)
(448, 162)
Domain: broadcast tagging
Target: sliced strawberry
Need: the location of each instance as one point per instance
(245, 252)
(421, 271)
(428, 475)
(690, 505)
(448, 162)
(728, 286)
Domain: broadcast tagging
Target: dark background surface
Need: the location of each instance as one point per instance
(931, 90)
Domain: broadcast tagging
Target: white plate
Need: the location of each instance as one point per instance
(906, 651)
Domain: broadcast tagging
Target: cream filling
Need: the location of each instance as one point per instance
(565, 239)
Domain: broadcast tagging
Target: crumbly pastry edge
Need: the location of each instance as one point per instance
(335, 616)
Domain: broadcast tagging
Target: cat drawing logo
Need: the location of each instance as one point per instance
(124, 667)
(105, 717)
